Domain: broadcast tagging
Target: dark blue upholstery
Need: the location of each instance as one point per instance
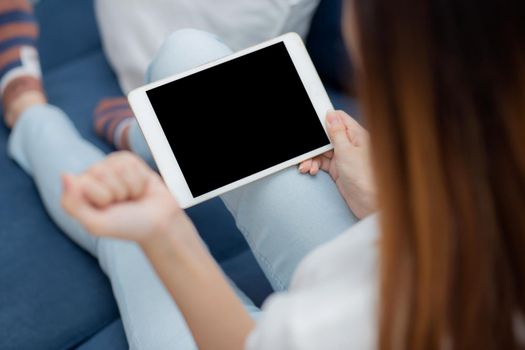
(111, 337)
(52, 294)
(326, 45)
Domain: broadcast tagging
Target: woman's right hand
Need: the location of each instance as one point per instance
(349, 164)
(121, 197)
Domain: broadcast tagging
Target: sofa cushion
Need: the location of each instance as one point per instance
(111, 338)
(68, 30)
(52, 294)
(326, 45)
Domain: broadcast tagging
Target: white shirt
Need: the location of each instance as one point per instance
(133, 31)
(331, 303)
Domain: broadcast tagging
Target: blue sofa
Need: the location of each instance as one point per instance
(53, 294)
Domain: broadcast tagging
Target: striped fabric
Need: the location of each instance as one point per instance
(18, 28)
(112, 119)
(19, 65)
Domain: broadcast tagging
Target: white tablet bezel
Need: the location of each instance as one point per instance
(160, 147)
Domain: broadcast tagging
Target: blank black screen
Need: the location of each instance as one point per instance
(238, 118)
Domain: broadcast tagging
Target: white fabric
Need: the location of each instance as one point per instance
(30, 66)
(133, 30)
(332, 300)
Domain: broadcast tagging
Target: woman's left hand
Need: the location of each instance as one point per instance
(348, 164)
(123, 198)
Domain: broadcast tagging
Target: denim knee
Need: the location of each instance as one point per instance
(183, 50)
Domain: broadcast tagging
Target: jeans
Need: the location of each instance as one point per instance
(283, 217)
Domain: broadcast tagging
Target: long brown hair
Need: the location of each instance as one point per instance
(443, 88)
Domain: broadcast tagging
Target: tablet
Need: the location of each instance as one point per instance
(233, 121)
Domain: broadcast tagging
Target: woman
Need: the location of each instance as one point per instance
(442, 83)
(443, 89)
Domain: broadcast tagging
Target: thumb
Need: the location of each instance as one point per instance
(76, 205)
(337, 131)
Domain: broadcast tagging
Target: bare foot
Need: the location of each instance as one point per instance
(21, 103)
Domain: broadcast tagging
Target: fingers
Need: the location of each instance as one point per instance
(94, 191)
(76, 204)
(345, 133)
(313, 166)
(106, 198)
(131, 172)
(305, 166)
(350, 122)
(357, 134)
(337, 131)
(121, 174)
(316, 165)
(120, 177)
(105, 175)
(325, 160)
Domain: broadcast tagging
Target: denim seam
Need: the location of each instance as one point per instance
(130, 333)
(261, 259)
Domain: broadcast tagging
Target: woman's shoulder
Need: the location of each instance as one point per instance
(333, 298)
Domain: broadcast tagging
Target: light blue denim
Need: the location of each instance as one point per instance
(283, 217)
